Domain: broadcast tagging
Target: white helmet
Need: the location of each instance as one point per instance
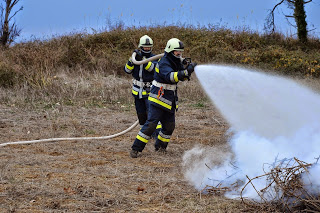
(145, 41)
(174, 44)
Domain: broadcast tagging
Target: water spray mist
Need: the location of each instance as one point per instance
(271, 118)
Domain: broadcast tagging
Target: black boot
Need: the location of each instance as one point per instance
(160, 146)
(134, 153)
(161, 149)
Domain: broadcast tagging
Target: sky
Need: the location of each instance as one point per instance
(43, 19)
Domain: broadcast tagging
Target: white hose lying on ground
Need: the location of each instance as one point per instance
(72, 139)
(90, 138)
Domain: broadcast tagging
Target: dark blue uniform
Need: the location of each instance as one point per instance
(142, 77)
(163, 103)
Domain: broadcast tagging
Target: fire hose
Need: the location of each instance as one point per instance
(145, 60)
(72, 139)
(90, 138)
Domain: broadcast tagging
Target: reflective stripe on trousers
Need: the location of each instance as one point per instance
(155, 115)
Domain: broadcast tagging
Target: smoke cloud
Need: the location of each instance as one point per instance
(272, 118)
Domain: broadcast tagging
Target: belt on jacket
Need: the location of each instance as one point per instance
(141, 83)
(172, 87)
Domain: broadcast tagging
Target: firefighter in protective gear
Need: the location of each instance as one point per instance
(163, 97)
(142, 77)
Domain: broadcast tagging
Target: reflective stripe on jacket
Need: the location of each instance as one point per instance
(142, 73)
(166, 72)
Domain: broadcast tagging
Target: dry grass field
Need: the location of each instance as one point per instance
(99, 175)
(74, 86)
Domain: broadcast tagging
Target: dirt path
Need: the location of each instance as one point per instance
(99, 175)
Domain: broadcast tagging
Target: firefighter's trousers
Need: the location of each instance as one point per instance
(142, 106)
(155, 115)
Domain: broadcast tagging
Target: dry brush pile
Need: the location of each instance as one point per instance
(288, 189)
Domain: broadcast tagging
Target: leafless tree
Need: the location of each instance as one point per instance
(8, 31)
(299, 15)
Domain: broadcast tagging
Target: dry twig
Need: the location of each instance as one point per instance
(284, 183)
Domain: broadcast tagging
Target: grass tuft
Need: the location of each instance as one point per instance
(73, 69)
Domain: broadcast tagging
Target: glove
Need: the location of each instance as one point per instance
(138, 55)
(190, 68)
(185, 62)
(185, 74)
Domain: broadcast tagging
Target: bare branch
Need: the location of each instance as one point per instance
(21, 8)
(270, 18)
(11, 5)
(289, 16)
(277, 5)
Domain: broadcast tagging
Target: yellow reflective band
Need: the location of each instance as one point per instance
(129, 67)
(149, 65)
(163, 139)
(136, 93)
(159, 102)
(157, 69)
(176, 76)
(159, 126)
(142, 139)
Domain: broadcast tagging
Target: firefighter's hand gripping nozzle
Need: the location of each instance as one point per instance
(189, 66)
(138, 55)
(186, 62)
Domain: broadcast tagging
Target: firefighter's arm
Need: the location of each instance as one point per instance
(149, 66)
(128, 68)
(166, 72)
(185, 74)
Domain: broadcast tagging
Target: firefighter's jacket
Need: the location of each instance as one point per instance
(142, 76)
(164, 89)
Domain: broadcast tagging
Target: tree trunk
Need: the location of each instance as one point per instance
(300, 18)
(5, 26)
(8, 31)
(5, 33)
